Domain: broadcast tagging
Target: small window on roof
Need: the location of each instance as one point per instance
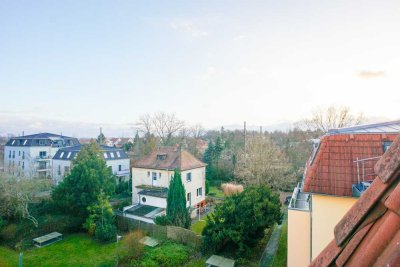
(118, 154)
(112, 154)
(13, 142)
(314, 152)
(62, 154)
(105, 155)
(26, 140)
(386, 146)
(161, 156)
(69, 155)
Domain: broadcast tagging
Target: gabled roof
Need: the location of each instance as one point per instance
(42, 139)
(169, 158)
(369, 233)
(332, 168)
(109, 153)
(383, 127)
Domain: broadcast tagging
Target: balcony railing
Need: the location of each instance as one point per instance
(299, 200)
(122, 173)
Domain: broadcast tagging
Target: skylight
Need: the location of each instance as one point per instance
(25, 141)
(13, 142)
(105, 155)
(69, 155)
(112, 154)
(118, 154)
(62, 154)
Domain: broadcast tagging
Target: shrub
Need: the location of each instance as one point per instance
(8, 233)
(131, 248)
(105, 232)
(230, 189)
(168, 255)
(162, 220)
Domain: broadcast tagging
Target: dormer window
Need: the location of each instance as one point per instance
(386, 146)
(161, 156)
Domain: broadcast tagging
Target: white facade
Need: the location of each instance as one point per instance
(29, 161)
(195, 186)
(119, 167)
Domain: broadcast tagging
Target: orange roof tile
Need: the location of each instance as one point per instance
(369, 233)
(333, 170)
(175, 158)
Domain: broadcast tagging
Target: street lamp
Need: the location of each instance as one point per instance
(118, 238)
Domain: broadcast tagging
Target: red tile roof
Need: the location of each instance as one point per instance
(333, 170)
(175, 158)
(369, 233)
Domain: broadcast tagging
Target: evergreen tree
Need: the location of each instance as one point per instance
(177, 213)
(80, 189)
(101, 139)
(218, 148)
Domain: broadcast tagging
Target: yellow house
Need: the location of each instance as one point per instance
(339, 170)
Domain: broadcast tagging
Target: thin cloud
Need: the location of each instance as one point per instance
(367, 74)
(188, 27)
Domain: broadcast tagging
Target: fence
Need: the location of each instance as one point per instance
(177, 234)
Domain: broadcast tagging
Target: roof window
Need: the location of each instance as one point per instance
(26, 140)
(112, 154)
(62, 154)
(315, 150)
(13, 142)
(118, 154)
(105, 155)
(69, 155)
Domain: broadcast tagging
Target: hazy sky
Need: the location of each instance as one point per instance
(71, 64)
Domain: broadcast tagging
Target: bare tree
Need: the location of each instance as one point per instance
(332, 117)
(145, 124)
(166, 125)
(262, 163)
(197, 131)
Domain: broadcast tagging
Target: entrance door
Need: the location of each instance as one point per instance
(189, 199)
(154, 179)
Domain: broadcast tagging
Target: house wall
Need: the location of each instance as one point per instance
(57, 177)
(327, 211)
(153, 201)
(298, 238)
(141, 176)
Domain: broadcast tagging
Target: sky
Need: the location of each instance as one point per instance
(73, 66)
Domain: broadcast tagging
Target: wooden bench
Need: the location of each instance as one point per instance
(47, 239)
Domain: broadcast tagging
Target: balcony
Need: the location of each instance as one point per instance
(365, 175)
(43, 158)
(299, 200)
(123, 173)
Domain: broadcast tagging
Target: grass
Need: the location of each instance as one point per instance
(74, 250)
(216, 191)
(198, 226)
(280, 258)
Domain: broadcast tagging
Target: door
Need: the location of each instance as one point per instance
(189, 199)
(154, 179)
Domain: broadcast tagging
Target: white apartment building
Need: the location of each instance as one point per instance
(152, 174)
(31, 155)
(115, 158)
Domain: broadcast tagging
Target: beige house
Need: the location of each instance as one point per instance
(338, 172)
(152, 174)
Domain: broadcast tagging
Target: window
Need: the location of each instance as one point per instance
(25, 141)
(143, 199)
(13, 142)
(13, 154)
(159, 175)
(19, 153)
(188, 196)
(59, 170)
(23, 165)
(119, 167)
(386, 146)
(188, 177)
(66, 170)
(9, 155)
(61, 155)
(118, 154)
(42, 154)
(154, 175)
(161, 156)
(199, 191)
(112, 154)
(105, 155)
(148, 174)
(69, 155)
(41, 142)
(23, 154)
(314, 153)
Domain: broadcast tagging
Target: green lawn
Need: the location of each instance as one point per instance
(216, 191)
(74, 250)
(198, 226)
(280, 258)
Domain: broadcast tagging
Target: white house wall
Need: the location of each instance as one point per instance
(140, 176)
(152, 201)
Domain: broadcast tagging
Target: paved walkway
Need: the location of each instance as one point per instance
(272, 246)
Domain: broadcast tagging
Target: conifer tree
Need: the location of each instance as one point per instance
(177, 213)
